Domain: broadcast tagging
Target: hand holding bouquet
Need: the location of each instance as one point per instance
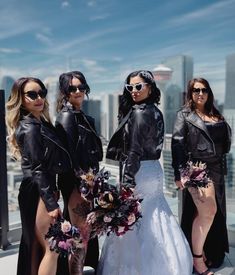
(194, 175)
(63, 237)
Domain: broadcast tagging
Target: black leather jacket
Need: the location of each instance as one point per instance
(190, 135)
(139, 137)
(43, 156)
(78, 132)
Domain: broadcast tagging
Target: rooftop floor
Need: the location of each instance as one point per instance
(8, 258)
(8, 263)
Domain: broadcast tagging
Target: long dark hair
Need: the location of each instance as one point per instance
(64, 82)
(127, 102)
(210, 108)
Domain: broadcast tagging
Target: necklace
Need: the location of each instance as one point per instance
(200, 114)
(205, 117)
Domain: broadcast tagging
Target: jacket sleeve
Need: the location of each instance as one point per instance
(96, 140)
(137, 126)
(178, 144)
(67, 131)
(34, 150)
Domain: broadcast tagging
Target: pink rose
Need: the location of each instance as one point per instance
(107, 219)
(65, 226)
(121, 230)
(131, 219)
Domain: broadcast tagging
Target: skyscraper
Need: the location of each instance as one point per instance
(109, 122)
(229, 104)
(6, 84)
(51, 84)
(92, 107)
(229, 113)
(230, 82)
(182, 66)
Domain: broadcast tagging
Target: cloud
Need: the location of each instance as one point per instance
(15, 21)
(93, 67)
(99, 17)
(221, 9)
(91, 3)
(88, 38)
(65, 4)
(9, 50)
(101, 36)
(44, 39)
(45, 36)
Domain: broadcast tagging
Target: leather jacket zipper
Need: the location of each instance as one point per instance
(61, 148)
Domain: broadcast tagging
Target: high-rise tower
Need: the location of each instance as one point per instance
(229, 104)
(182, 67)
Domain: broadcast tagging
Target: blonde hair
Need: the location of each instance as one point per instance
(15, 110)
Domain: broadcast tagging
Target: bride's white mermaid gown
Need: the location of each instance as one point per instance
(156, 246)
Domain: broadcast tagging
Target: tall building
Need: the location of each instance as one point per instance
(51, 84)
(109, 122)
(229, 114)
(230, 82)
(182, 66)
(6, 85)
(174, 94)
(229, 104)
(92, 107)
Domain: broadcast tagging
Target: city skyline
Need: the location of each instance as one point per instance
(106, 39)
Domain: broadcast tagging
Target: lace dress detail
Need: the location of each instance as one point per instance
(157, 245)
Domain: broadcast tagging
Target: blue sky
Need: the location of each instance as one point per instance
(106, 39)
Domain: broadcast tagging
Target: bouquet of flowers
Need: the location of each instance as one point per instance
(114, 209)
(91, 183)
(64, 238)
(194, 175)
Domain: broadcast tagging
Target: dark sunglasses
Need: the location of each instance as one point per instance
(80, 88)
(34, 95)
(198, 90)
(138, 87)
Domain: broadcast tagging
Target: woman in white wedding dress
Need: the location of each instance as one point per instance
(156, 245)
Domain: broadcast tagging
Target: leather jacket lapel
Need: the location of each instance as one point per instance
(194, 119)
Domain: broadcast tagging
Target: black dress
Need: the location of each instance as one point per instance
(78, 133)
(216, 170)
(43, 156)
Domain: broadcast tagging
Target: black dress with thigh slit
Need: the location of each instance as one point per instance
(216, 243)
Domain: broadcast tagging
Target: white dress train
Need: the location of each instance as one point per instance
(157, 245)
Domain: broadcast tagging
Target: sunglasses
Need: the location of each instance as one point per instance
(198, 90)
(80, 88)
(138, 87)
(34, 95)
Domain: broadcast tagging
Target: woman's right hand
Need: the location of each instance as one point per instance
(55, 213)
(179, 184)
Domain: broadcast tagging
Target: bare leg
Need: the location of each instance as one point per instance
(48, 264)
(78, 209)
(205, 202)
